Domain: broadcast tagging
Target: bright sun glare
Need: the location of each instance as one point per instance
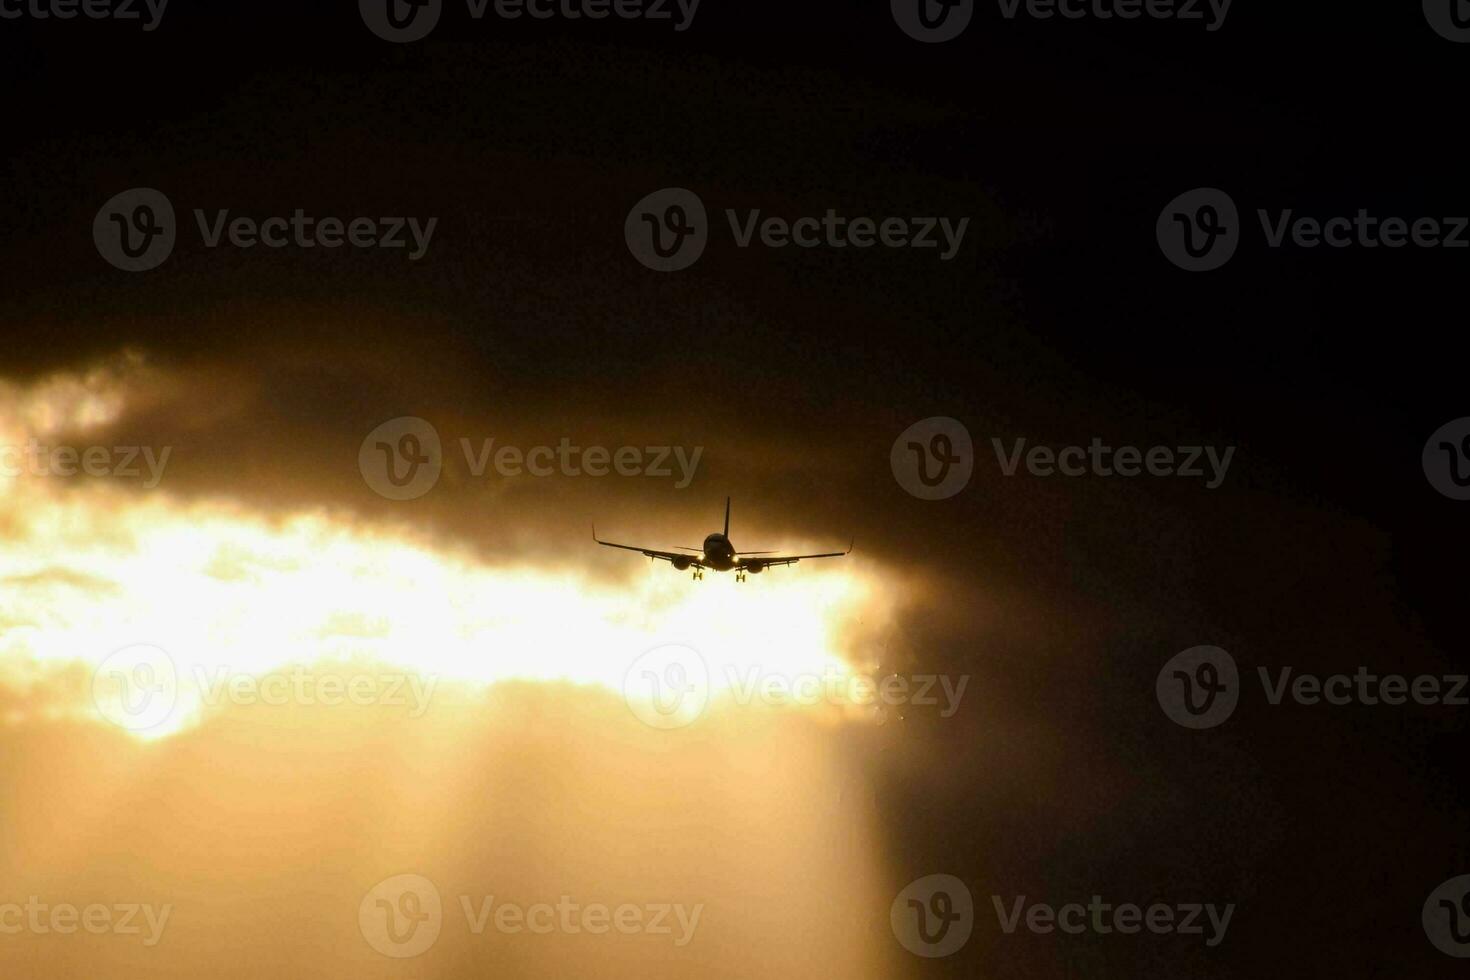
(89, 568)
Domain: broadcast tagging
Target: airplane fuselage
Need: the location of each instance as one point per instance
(719, 553)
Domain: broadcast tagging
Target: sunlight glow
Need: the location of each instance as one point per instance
(89, 568)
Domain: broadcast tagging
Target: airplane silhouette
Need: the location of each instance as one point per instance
(719, 554)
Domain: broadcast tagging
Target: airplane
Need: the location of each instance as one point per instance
(719, 554)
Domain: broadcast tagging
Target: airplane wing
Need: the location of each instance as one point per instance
(691, 560)
(741, 560)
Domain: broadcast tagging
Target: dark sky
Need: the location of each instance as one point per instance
(1059, 320)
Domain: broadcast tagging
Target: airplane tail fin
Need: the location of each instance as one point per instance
(727, 517)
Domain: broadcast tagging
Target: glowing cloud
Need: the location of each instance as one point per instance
(90, 567)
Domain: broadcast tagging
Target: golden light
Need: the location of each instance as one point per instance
(91, 568)
(512, 767)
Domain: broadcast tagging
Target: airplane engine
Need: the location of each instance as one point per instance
(681, 563)
(755, 568)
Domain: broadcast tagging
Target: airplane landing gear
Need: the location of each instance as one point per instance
(698, 573)
(740, 576)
